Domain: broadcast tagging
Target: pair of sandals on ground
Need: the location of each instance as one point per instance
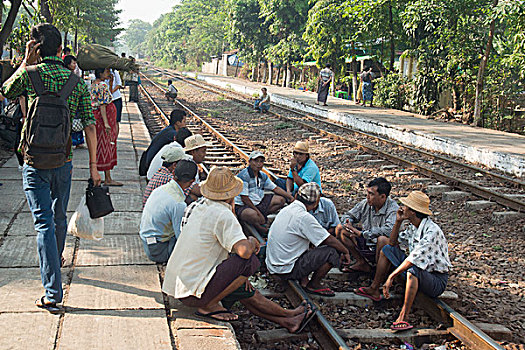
(308, 314)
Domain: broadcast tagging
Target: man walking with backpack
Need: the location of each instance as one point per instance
(55, 95)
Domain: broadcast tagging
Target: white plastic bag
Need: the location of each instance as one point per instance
(82, 226)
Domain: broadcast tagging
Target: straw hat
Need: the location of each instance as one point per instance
(302, 147)
(221, 184)
(194, 142)
(418, 201)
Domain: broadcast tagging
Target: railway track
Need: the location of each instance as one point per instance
(227, 152)
(488, 185)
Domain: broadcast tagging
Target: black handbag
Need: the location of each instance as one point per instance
(98, 200)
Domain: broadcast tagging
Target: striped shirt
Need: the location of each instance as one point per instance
(326, 74)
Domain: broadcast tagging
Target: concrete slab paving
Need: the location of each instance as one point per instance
(122, 223)
(10, 174)
(115, 329)
(11, 203)
(20, 287)
(11, 163)
(115, 287)
(21, 251)
(12, 187)
(23, 225)
(5, 219)
(122, 175)
(112, 250)
(28, 331)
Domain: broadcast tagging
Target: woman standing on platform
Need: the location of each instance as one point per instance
(106, 116)
(325, 78)
(368, 89)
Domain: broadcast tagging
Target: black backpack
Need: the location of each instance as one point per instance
(46, 136)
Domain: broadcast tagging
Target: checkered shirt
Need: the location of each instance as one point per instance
(54, 75)
(161, 177)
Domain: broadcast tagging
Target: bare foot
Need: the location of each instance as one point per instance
(292, 324)
(360, 266)
(300, 309)
(113, 183)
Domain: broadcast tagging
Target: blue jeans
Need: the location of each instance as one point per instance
(159, 252)
(264, 107)
(47, 193)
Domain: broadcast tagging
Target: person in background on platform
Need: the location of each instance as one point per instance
(170, 157)
(162, 214)
(47, 190)
(133, 80)
(164, 137)
(115, 84)
(326, 215)
(157, 161)
(65, 52)
(213, 259)
(302, 169)
(252, 205)
(77, 137)
(171, 93)
(427, 265)
(288, 253)
(377, 215)
(325, 78)
(359, 97)
(106, 116)
(196, 147)
(262, 104)
(368, 88)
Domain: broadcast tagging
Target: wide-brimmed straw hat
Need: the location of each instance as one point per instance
(221, 184)
(418, 201)
(302, 147)
(194, 142)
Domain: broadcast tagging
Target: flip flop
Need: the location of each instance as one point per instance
(348, 269)
(50, 307)
(325, 292)
(362, 293)
(113, 183)
(220, 312)
(307, 317)
(401, 326)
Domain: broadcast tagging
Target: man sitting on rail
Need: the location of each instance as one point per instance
(156, 162)
(213, 259)
(302, 169)
(427, 265)
(288, 253)
(162, 214)
(165, 174)
(253, 205)
(165, 136)
(326, 215)
(196, 147)
(262, 104)
(171, 93)
(377, 214)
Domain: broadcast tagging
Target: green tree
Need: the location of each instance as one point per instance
(135, 36)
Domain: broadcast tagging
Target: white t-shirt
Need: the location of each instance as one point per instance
(157, 161)
(204, 242)
(290, 236)
(116, 81)
(172, 88)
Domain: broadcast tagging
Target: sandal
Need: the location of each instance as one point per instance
(50, 307)
(307, 318)
(213, 313)
(401, 326)
(362, 293)
(325, 292)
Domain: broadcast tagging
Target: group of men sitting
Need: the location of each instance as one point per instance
(195, 227)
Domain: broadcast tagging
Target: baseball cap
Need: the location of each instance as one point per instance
(310, 192)
(255, 155)
(173, 154)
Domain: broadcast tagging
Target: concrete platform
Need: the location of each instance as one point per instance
(494, 149)
(112, 291)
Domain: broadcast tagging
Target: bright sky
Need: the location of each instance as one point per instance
(148, 10)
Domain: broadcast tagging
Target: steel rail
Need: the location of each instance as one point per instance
(475, 189)
(461, 328)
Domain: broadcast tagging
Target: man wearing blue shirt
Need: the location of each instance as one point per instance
(302, 168)
(252, 205)
(162, 215)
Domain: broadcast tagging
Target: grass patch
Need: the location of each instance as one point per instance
(221, 98)
(283, 125)
(347, 185)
